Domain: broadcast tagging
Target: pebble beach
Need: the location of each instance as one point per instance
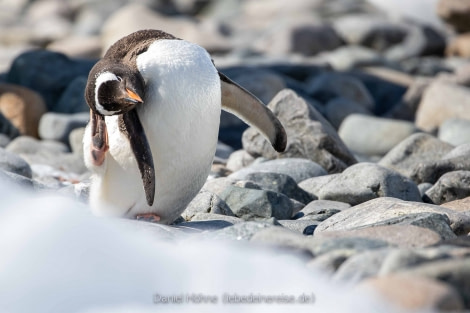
(367, 209)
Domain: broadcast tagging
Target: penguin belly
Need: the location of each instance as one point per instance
(180, 116)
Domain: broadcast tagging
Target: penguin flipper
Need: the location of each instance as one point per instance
(99, 139)
(240, 102)
(131, 126)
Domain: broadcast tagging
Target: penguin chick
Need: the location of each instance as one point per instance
(155, 104)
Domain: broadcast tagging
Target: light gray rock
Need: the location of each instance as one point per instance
(320, 210)
(219, 217)
(455, 131)
(361, 266)
(329, 262)
(450, 186)
(16, 180)
(305, 227)
(298, 169)
(281, 237)
(280, 183)
(57, 126)
(206, 202)
(387, 211)
(442, 100)
(222, 152)
(11, 162)
(30, 145)
(423, 188)
(370, 135)
(251, 204)
(76, 140)
(337, 109)
(238, 160)
(352, 56)
(309, 135)
(370, 30)
(319, 246)
(4, 140)
(315, 184)
(417, 148)
(240, 231)
(365, 181)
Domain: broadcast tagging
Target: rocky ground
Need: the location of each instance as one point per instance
(374, 186)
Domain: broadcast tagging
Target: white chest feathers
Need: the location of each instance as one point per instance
(180, 116)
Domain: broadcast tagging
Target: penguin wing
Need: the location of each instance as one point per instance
(243, 104)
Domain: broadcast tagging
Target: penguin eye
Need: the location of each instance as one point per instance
(119, 78)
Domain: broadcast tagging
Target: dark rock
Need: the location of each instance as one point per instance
(388, 211)
(264, 84)
(72, 100)
(450, 186)
(211, 225)
(309, 135)
(312, 39)
(366, 181)
(7, 128)
(420, 148)
(280, 183)
(206, 202)
(222, 152)
(297, 169)
(337, 109)
(423, 188)
(250, 204)
(57, 126)
(13, 163)
(43, 71)
(370, 135)
(405, 108)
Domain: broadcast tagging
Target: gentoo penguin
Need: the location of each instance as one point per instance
(155, 103)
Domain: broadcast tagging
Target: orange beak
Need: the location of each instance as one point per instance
(133, 96)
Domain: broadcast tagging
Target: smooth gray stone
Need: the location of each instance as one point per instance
(15, 179)
(30, 145)
(309, 134)
(238, 160)
(72, 100)
(211, 225)
(450, 186)
(223, 152)
(352, 56)
(220, 217)
(298, 169)
(365, 181)
(240, 231)
(414, 150)
(423, 188)
(251, 204)
(320, 210)
(280, 183)
(380, 210)
(57, 126)
(369, 135)
(319, 246)
(331, 261)
(455, 131)
(206, 202)
(305, 227)
(281, 237)
(76, 140)
(11, 162)
(361, 266)
(315, 184)
(156, 230)
(4, 140)
(310, 39)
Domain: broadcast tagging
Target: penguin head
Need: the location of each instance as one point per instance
(117, 90)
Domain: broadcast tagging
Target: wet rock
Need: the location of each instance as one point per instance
(22, 107)
(450, 186)
(388, 211)
(365, 181)
(370, 135)
(309, 135)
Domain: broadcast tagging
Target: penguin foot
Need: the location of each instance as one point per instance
(148, 217)
(99, 140)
